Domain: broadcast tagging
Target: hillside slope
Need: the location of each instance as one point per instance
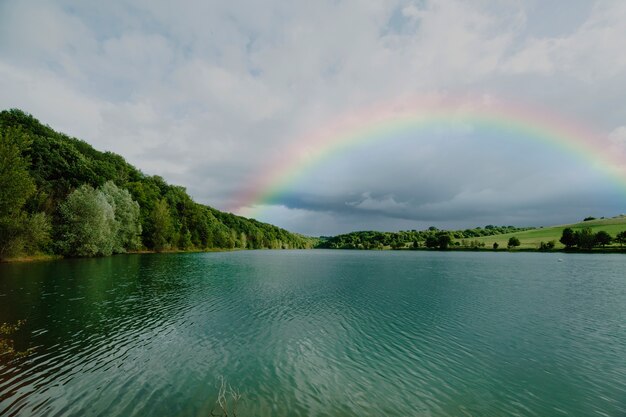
(59, 164)
(531, 239)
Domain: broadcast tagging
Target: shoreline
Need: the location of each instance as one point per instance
(47, 258)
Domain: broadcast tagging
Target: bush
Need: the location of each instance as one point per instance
(513, 242)
(544, 247)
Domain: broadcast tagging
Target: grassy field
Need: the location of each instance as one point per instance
(531, 239)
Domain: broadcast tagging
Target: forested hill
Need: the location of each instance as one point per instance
(60, 195)
(431, 238)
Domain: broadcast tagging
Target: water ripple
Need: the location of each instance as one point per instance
(318, 333)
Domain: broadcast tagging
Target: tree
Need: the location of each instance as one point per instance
(12, 234)
(431, 242)
(127, 215)
(495, 245)
(621, 238)
(602, 238)
(585, 239)
(568, 238)
(88, 224)
(163, 231)
(16, 185)
(443, 241)
(396, 244)
(18, 231)
(513, 242)
(59, 164)
(544, 247)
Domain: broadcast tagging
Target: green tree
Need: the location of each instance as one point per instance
(495, 245)
(585, 239)
(184, 240)
(61, 164)
(602, 238)
(88, 224)
(127, 215)
(568, 238)
(36, 232)
(16, 184)
(18, 231)
(443, 241)
(621, 238)
(513, 242)
(162, 229)
(431, 242)
(397, 244)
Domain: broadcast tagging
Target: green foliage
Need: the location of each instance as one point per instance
(585, 238)
(7, 348)
(621, 238)
(431, 242)
(602, 238)
(127, 216)
(443, 241)
(162, 229)
(513, 242)
(586, 219)
(16, 185)
(88, 225)
(495, 245)
(411, 238)
(61, 164)
(545, 247)
(568, 238)
(19, 231)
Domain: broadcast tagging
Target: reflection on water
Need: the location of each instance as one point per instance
(318, 333)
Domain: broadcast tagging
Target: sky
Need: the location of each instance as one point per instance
(212, 95)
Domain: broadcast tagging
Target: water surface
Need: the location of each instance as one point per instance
(318, 333)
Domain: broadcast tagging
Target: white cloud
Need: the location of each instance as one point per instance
(385, 204)
(618, 136)
(591, 53)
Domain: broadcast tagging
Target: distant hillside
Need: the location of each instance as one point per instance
(531, 239)
(409, 238)
(57, 165)
(477, 238)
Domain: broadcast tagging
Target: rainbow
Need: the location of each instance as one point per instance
(389, 120)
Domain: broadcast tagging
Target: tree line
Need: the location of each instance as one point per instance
(59, 195)
(586, 239)
(414, 239)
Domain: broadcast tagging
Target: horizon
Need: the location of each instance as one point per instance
(211, 96)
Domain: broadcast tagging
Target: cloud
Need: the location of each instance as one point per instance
(209, 93)
(618, 136)
(590, 53)
(384, 204)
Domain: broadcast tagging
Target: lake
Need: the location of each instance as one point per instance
(318, 333)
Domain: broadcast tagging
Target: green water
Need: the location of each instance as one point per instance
(318, 333)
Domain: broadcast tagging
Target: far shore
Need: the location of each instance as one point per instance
(46, 258)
